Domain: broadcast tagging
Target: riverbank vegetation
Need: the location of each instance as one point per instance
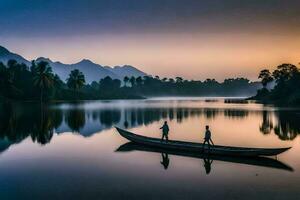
(287, 85)
(39, 83)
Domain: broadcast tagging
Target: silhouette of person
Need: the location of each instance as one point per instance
(207, 138)
(165, 131)
(207, 165)
(165, 160)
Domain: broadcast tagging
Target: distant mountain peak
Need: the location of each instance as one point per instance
(128, 66)
(3, 50)
(91, 70)
(43, 59)
(6, 55)
(86, 61)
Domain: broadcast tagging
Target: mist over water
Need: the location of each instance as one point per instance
(68, 150)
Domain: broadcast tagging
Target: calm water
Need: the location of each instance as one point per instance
(68, 151)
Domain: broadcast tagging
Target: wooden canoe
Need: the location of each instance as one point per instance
(199, 148)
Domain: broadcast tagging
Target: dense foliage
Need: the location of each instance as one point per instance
(287, 88)
(38, 82)
(154, 86)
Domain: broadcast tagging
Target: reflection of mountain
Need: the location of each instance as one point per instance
(18, 122)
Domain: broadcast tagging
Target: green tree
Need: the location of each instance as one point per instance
(58, 83)
(5, 80)
(108, 85)
(164, 79)
(76, 80)
(139, 80)
(178, 79)
(266, 77)
(284, 72)
(171, 80)
(43, 78)
(126, 80)
(132, 81)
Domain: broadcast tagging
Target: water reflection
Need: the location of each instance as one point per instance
(20, 121)
(207, 159)
(288, 126)
(207, 164)
(285, 124)
(165, 160)
(267, 123)
(75, 119)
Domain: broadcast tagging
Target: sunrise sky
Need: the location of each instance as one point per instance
(190, 38)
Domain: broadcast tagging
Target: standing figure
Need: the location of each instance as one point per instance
(207, 138)
(165, 131)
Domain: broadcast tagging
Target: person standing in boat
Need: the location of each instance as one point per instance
(165, 131)
(207, 138)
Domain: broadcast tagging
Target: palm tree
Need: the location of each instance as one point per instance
(76, 80)
(43, 77)
(126, 80)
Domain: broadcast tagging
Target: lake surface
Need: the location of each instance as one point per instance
(69, 150)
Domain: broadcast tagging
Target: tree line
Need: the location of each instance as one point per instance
(287, 85)
(39, 83)
(155, 86)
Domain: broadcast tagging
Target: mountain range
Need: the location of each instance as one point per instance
(91, 70)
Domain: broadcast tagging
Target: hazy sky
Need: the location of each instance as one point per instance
(190, 38)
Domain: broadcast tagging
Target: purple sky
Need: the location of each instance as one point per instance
(193, 39)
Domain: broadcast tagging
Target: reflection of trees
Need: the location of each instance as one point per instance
(109, 117)
(267, 124)
(8, 122)
(210, 113)
(75, 119)
(236, 113)
(144, 116)
(19, 122)
(179, 115)
(43, 131)
(288, 125)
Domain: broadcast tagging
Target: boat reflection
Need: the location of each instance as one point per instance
(207, 159)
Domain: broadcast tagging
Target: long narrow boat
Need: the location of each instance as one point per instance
(255, 161)
(199, 147)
